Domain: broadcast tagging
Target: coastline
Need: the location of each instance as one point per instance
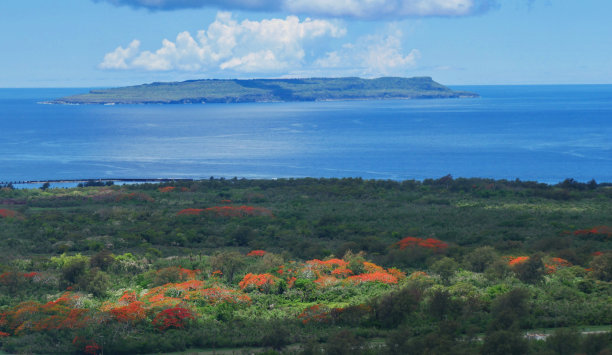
(96, 180)
(239, 101)
(68, 183)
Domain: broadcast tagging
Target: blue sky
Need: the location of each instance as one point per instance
(87, 43)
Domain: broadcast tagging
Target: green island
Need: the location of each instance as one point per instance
(307, 266)
(269, 90)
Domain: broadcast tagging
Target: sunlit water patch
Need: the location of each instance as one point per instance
(543, 133)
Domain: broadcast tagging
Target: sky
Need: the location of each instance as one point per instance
(102, 43)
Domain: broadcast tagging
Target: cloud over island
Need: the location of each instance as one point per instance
(268, 47)
(359, 9)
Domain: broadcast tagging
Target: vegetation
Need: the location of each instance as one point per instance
(266, 90)
(328, 266)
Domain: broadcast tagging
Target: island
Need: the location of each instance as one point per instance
(269, 90)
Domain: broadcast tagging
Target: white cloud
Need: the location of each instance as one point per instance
(270, 47)
(372, 55)
(117, 58)
(267, 46)
(364, 9)
(262, 61)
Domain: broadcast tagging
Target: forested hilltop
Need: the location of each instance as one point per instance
(312, 266)
(268, 90)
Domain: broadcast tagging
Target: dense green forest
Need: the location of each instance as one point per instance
(308, 266)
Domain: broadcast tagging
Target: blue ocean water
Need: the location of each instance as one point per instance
(541, 133)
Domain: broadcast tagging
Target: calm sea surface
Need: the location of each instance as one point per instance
(543, 133)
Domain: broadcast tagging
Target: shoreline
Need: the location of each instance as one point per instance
(163, 180)
(225, 102)
(68, 181)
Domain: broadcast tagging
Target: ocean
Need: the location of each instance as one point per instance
(538, 133)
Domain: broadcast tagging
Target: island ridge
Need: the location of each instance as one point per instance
(269, 90)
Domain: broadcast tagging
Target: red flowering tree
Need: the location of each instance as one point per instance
(605, 230)
(132, 312)
(371, 267)
(342, 272)
(7, 213)
(128, 297)
(32, 316)
(597, 232)
(256, 253)
(328, 264)
(288, 273)
(515, 260)
(315, 314)
(176, 318)
(429, 243)
(261, 282)
(383, 277)
(86, 346)
(409, 242)
(554, 264)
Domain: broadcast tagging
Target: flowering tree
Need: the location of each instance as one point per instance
(383, 277)
(256, 253)
(597, 230)
(176, 318)
(131, 312)
(318, 313)
(86, 346)
(554, 264)
(515, 260)
(429, 243)
(7, 213)
(261, 282)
